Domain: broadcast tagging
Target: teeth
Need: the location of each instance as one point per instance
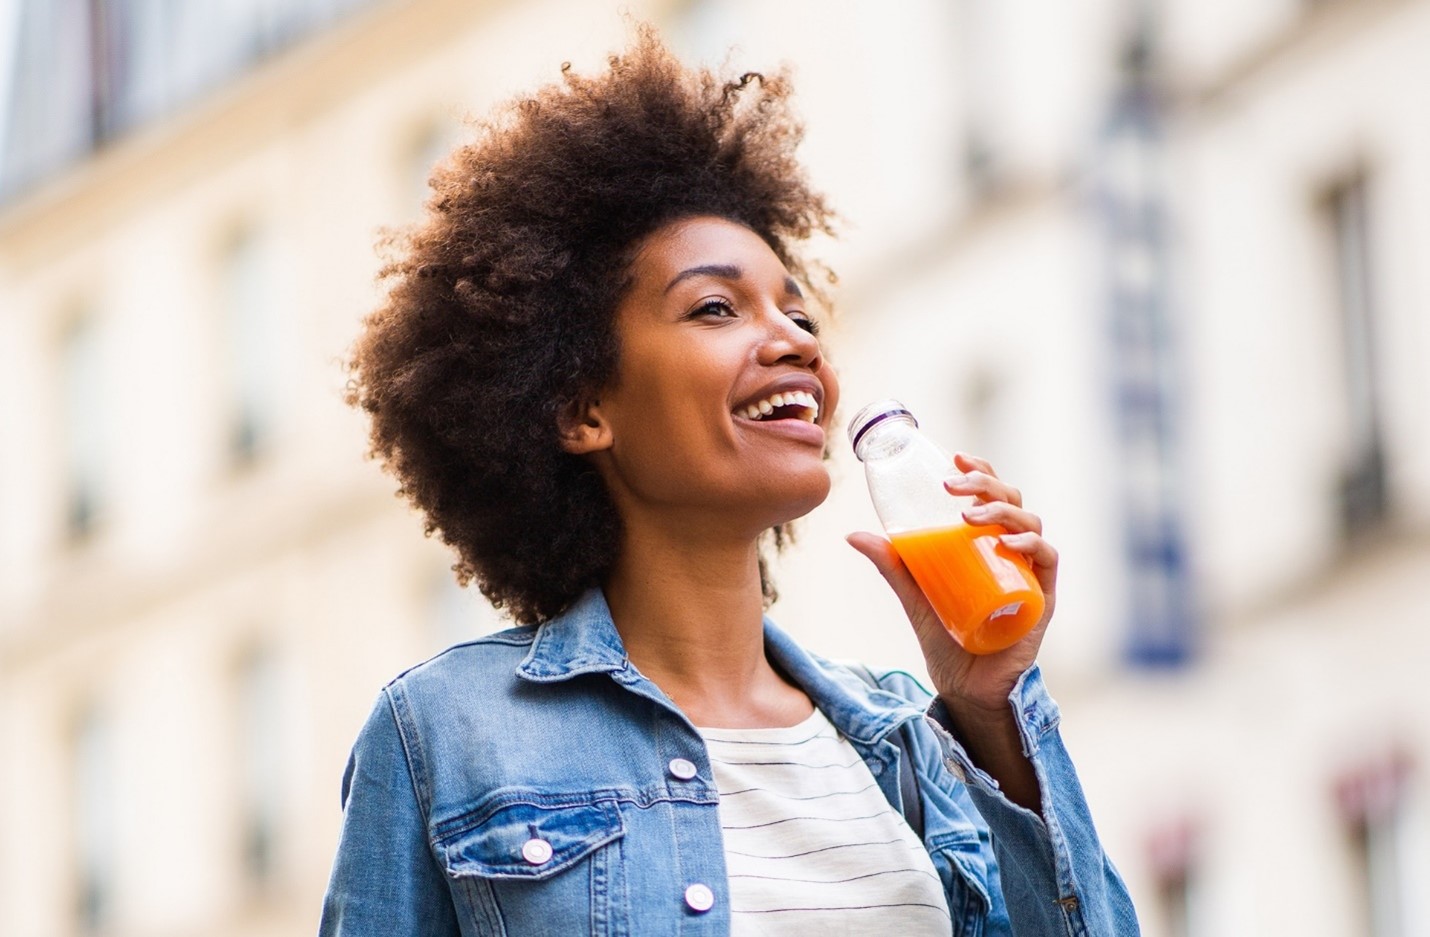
(795, 398)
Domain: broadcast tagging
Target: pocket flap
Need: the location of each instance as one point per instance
(965, 853)
(533, 841)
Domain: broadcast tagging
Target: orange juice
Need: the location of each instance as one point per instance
(985, 594)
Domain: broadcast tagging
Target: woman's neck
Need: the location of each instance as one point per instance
(691, 617)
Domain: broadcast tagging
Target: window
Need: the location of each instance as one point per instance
(1142, 367)
(132, 72)
(76, 73)
(94, 812)
(261, 740)
(254, 338)
(979, 54)
(1361, 492)
(83, 413)
(1171, 853)
(1372, 803)
(46, 75)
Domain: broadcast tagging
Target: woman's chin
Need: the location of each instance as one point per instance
(798, 500)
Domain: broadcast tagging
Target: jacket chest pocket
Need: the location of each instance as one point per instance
(537, 865)
(959, 859)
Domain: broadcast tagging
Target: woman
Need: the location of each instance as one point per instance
(597, 374)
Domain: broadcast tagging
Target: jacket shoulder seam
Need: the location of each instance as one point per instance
(411, 745)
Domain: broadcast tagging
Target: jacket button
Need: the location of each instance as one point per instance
(699, 897)
(536, 851)
(682, 768)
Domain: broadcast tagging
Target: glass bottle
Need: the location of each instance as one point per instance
(985, 594)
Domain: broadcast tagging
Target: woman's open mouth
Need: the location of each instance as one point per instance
(791, 405)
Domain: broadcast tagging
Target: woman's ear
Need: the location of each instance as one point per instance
(582, 427)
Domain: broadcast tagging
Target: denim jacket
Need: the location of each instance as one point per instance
(533, 782)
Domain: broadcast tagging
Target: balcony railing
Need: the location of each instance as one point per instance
(78, 74)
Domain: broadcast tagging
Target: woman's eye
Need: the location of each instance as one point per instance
(714, 307)
(805, 322)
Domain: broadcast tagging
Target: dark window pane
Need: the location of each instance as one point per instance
(1362, 490)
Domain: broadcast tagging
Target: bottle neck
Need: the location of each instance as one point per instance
(884, 435)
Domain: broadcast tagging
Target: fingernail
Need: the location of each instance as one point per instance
(955, 478)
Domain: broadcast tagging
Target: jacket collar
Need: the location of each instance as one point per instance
(857, 710)
(584, 639)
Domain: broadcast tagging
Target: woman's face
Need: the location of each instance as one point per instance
(722, 396)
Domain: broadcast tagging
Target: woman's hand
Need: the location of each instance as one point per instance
(974, 685)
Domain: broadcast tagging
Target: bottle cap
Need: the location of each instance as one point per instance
(874, 414)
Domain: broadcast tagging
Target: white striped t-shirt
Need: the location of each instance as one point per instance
(812, 846)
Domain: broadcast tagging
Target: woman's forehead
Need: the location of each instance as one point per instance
(703, 245)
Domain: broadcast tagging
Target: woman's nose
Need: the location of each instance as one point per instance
(787, 340)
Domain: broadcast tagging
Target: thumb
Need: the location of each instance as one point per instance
(880, 552)
(886, 560)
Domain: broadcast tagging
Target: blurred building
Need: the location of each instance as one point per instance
(1160, 263)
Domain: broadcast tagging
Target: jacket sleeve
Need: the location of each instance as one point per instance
(385, 880)
(1055, 877)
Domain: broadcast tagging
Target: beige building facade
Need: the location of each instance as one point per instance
(1218, 407)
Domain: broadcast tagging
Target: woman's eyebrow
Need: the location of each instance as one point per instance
(726, 272)
(722, 271)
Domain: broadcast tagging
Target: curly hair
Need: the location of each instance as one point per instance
(501, 306)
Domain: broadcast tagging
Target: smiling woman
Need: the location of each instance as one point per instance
(702, 344)
(598, 375)
(501, 312)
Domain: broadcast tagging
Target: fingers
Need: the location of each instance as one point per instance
(976, 477)
(972, 463)
(1015, 520)
(998, 502)
(1040, 555)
